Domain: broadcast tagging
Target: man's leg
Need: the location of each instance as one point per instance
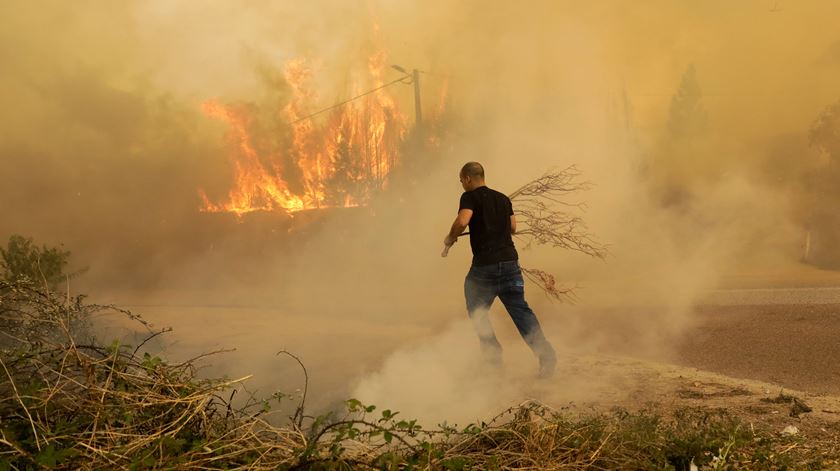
(480, 293)
(512, 294)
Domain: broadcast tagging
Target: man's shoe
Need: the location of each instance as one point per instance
(491, 356)
(493, 361)
(547, 365)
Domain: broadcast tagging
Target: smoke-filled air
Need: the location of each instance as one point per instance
(267, 177)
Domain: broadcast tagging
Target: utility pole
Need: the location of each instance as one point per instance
(418, 113)
(415, 78)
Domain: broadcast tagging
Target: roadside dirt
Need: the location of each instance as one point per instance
(664, 388)
(749, 351)
(792, 346)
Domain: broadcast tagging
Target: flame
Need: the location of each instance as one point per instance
(256, 188)
(339, 163)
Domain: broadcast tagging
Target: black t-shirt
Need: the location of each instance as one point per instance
(490, 237)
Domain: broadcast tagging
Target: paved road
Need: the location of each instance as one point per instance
(787, 336)
(790, 337)
(773, 296)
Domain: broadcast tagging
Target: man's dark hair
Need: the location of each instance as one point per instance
(472, 169)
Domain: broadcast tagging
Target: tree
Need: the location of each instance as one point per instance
(822, 224)
(683, 157)
(825, 132)
(687, 118)
(22, 259)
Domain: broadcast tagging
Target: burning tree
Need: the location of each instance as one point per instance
(340, 161)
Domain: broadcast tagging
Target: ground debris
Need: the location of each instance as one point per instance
(790, 430)
(119, 407)
(797, 406)
(699, 393)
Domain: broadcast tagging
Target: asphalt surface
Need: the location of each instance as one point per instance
(786, 336)
(773, 296)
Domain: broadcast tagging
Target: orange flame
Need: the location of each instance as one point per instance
(256, 188)
(342, 162)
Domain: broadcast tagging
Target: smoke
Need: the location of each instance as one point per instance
(105, 147)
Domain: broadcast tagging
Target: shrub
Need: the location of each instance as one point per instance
(22, 259)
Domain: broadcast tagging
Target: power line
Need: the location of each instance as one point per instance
(351, 99)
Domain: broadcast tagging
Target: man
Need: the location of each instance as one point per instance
(495, 267)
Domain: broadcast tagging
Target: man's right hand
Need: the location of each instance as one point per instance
(448, 242)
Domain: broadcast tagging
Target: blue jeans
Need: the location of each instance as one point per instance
(503, 279)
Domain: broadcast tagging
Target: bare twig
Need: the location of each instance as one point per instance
(22, 405)
(548, 284)
(160, 416)
(544, 214)
(536, 206)
(298, 416)
(150, 337)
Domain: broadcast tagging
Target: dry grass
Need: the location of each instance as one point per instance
(85, 405)
(67, 402)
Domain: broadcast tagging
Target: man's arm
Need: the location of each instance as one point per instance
(461, 223)
(512, 224)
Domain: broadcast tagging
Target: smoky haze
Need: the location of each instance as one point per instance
(691, 120)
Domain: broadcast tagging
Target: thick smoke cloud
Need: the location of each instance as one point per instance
(104, 148)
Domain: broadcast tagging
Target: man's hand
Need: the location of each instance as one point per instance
(448, 242)
(461, 223)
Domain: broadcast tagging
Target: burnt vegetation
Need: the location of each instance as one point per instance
(69, 401)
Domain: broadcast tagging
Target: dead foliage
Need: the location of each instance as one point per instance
(549, 285)
(797, 406)
(67, 402)
(544, 208)
(546, 215)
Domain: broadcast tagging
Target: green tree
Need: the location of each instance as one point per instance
(22, 259)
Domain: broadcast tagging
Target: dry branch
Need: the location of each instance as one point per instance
(91, 407)
(543, 208)
(548, 284)
(548, 217)
(68, 405)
